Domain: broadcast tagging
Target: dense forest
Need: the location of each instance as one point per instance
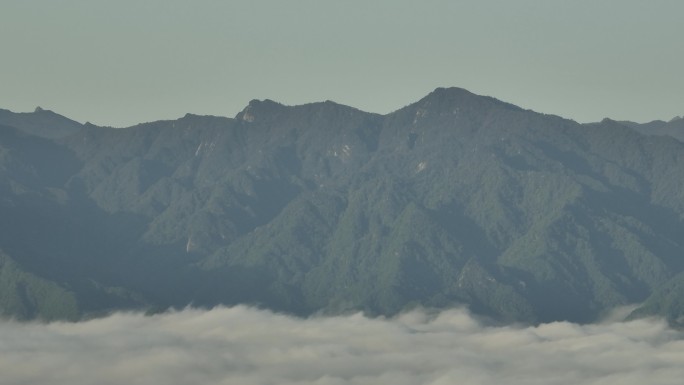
(457, 199)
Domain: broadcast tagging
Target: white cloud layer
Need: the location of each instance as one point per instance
(245, 346)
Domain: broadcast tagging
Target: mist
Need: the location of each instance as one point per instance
(242, 345)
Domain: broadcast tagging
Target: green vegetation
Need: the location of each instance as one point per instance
(456, 199)
(25, 296)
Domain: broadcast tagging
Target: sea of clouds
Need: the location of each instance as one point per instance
(245, 346)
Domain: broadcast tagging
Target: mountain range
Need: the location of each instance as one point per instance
(457, 199)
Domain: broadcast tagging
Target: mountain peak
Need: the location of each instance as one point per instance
(269, 110)
(256, 109)
(441, 92)
(450, 94)
(40, 122)
(454, 98)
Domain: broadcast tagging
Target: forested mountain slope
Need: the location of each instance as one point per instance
(455, 199)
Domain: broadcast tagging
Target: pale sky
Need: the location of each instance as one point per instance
(124, 62)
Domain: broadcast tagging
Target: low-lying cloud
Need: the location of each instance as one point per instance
(245, 346)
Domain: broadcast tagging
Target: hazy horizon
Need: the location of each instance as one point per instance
(122, 63)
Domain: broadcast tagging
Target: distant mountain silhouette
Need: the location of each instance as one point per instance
(457, 199)
(43, 123)
(673, 128)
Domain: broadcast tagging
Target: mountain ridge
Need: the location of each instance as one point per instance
(40, 122)
(454, 199)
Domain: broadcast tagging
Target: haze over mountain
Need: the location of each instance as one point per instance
(455, 199)
(673, 128)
